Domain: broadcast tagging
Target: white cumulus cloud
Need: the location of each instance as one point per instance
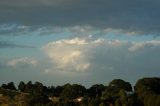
(68, 54)
(76, 54)
(103, 55)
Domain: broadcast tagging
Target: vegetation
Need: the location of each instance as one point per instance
(146, 92)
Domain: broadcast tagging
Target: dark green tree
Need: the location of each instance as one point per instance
(58, 91)
(112, 90)
(72, 91)
(29, 87)
(120, 84)
(22, 86)
(38, 88)
(148, 91)
(11, 86)
(4, 86)
(96, 90)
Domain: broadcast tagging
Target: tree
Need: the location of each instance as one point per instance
(29, 87)
(38, 88)
(50, 91)
(11, 86)
(148, 91)
(68, 92)
(72, 91)
(22, 86)
(112, 91)
(58, 90)
(95, 90)
(35, 100)
(120, 84)
(151, 85)
(4, 86)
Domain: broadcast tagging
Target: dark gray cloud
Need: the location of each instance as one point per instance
(130, 15)
(13, 29)
(4, 44)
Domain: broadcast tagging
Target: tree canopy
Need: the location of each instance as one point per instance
(117, 93)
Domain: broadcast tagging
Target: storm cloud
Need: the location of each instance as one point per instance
(140, 16)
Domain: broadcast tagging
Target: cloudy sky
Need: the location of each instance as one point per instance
(79, 41)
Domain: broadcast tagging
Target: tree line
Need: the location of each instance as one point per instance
(118, 92)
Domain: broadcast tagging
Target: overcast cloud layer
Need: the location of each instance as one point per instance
(130, 15)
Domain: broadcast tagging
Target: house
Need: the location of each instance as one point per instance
(79, 99)
(54, 99)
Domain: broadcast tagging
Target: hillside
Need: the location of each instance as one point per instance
(12, 98)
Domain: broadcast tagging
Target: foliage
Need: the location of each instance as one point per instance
(96, 90)
(21, 86)
(112, 91)
(148, 91)
(72, 91)
(120, 84)
(9, 86)
(117, 92)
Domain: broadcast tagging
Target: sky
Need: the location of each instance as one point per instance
(79, 41)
